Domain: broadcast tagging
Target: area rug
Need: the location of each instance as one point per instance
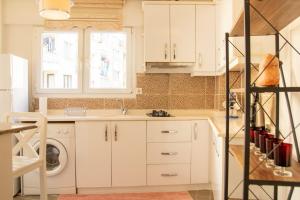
(131, 196)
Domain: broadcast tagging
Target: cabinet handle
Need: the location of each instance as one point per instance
(169, 175)
(169, 153)
(106, 133)
(174, 51)
(168, 131)
(116, 132)
(166, 51)
(200, 59)
(195, 131)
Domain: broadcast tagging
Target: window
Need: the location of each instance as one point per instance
(107, 64)
(109, 56)
(59, 57)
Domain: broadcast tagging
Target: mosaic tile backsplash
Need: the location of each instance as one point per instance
(160, 91)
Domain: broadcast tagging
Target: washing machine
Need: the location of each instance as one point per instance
(60, 156)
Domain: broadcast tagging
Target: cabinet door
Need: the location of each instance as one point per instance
(93, 154)
(200, 153)
(157, 33)
(183, 33)
(205, 39)
(128, 153)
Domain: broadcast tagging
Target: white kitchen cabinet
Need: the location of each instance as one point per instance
(165, 153)
(157, 33)
(169, 32)
(182, 33)
(110, 153)
(93, 154)
(200, 152)
(205, 41)
(168, 174)
(168, 131)
(128, 153)
(216, 166)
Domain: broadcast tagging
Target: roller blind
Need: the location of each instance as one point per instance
(99, 14)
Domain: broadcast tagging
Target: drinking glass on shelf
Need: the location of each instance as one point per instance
(252, 138)
(256, 138)
(282, 158)
(262, 145)
(270, 143)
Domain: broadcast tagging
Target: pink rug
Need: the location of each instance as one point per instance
(131, 196)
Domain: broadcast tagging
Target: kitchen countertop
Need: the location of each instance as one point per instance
(215, 118)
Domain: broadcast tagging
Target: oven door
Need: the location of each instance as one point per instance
(56, 156)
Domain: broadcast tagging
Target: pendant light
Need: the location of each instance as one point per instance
(55, 9)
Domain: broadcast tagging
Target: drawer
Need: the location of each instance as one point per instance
(159, 153)
(168, 174)
(169, 131)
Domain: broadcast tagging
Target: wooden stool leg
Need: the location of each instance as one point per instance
(43, 182)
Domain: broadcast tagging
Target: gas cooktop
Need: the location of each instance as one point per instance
(159, 113)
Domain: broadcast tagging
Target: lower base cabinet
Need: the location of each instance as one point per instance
(110, 154)
(168, 174)
(129, 153)
(140, 153)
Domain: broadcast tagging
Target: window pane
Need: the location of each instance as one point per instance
(108, 54)
(59, 56)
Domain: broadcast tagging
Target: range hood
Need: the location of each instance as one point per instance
(168, 67)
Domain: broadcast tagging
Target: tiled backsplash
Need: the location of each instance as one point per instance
(160, 91)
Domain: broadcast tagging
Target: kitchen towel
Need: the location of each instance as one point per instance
(131, 196)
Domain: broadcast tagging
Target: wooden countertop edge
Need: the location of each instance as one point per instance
(14, 128)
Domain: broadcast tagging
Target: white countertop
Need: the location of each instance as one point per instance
(216, 118)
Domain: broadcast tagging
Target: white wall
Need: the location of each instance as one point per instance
(20, 17)
(1, 29)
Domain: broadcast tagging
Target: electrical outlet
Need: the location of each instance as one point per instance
(139, 91)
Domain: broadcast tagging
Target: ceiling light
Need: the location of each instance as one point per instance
(55, 9)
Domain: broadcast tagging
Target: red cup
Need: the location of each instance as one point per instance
(256, 136)
(262, 142)
(252, 135)
(270, 143)
(283, 154)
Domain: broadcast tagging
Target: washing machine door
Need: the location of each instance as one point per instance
(56, 156)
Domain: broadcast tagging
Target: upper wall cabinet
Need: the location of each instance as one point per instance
(170, 33)
(205, 41)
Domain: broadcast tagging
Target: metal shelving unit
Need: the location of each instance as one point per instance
(260, 19)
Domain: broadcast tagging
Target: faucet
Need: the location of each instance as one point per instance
(123, 109)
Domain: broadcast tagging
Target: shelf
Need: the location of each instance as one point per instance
(279, 12)
(263, 175)
(274, 89)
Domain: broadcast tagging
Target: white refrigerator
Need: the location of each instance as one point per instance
(13, 89)
(13, 84)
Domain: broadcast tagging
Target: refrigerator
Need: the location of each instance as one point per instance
(13, 84)
(13, 89)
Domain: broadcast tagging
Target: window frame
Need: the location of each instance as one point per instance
(83, 89)
(37, 61)
(129, 65)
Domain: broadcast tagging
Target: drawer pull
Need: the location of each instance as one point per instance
(106, 133)
(169, 132)
(169, 175)
(169, 153)
(195, 131)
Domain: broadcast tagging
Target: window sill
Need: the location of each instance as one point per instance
(85, 95)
